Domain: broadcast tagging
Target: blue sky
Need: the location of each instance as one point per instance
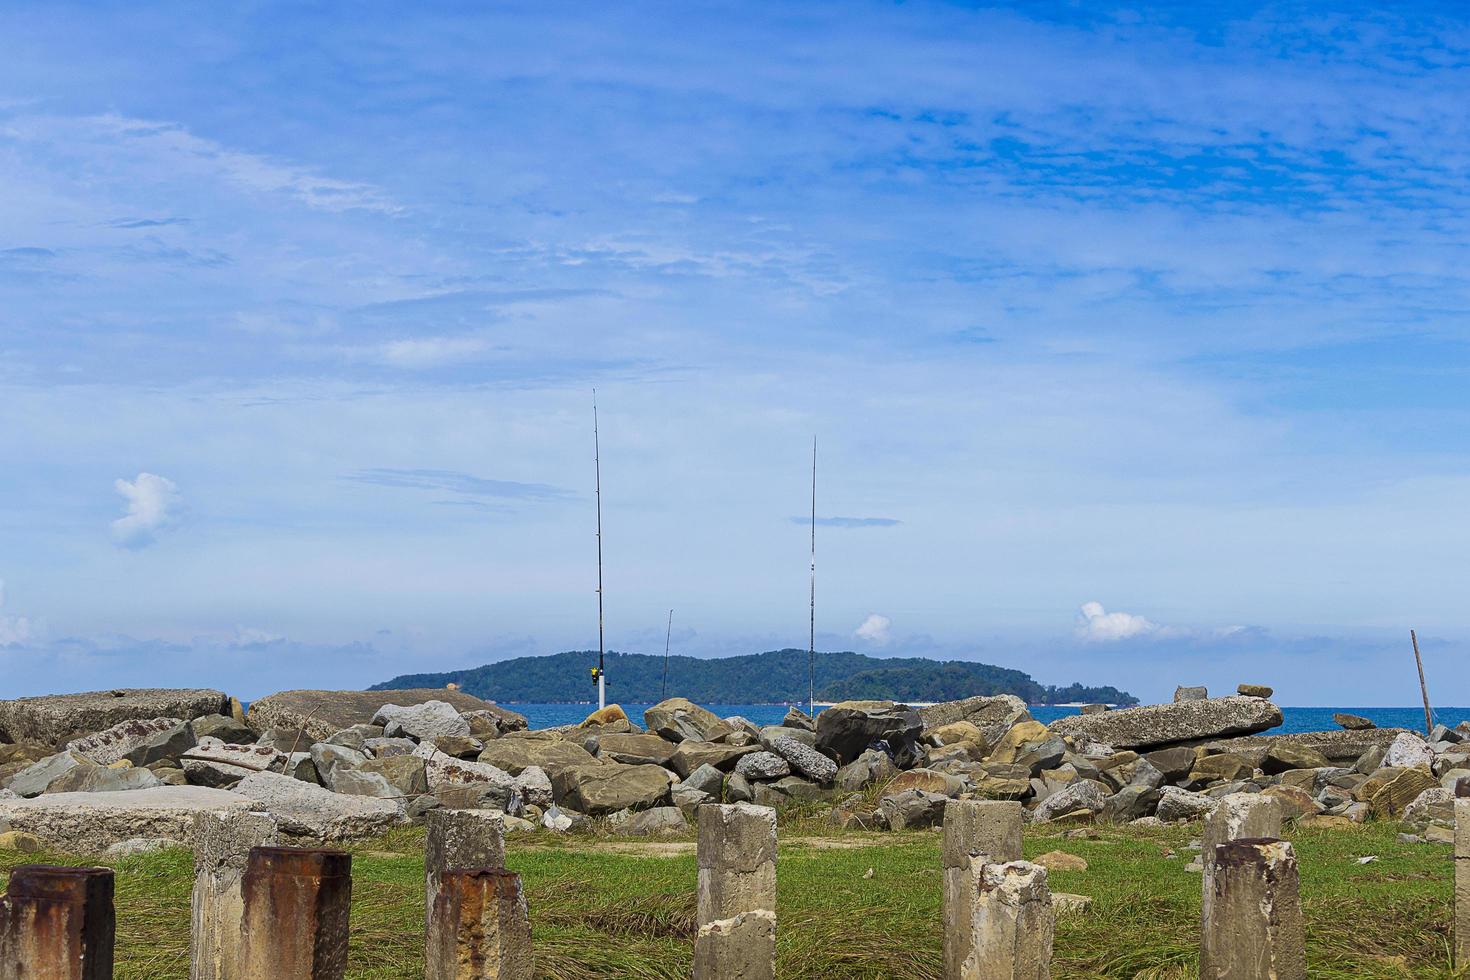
(1135, 341)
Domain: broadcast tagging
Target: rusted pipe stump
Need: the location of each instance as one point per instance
(57, 924)
(479, 928)
(296, 907)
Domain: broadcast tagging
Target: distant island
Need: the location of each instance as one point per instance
(774, 677)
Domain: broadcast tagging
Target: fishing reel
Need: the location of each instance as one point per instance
(596, 673)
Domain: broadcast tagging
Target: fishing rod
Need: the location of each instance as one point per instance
(811, 650)
(664, 693)
(599, 676)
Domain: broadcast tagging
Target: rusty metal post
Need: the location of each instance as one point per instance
(57, 924)
(479, 928)
(297, 902)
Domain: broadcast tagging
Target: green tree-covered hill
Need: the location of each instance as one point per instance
(762, 678)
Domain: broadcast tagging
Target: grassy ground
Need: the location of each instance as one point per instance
(619, 908)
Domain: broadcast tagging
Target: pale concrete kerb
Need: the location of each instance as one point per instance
(87, 823)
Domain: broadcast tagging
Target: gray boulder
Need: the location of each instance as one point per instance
(1085, 794)
(100, 779)
(383, 748)
(805, 761)
(603, 789)
(249, 758)
(635, 750)
(358, 782)
(308, 812)
(1130, 803)
(872, 766)
(796, 718)
(322, 713)
(1181, 804)
(421, 721)
(763, 765)
(770, 733)
(329, 759)
(1190, 694)
(678, 719)
(847, 729)
(56, 718)
(689, 755)
(158, 738)
(707, 779)
(33, 780)
(1157, 725)
(657, 820)
(912, 809)
(403, 773)
(1408, 750)
(1352, 722)
(994, 716)
(223, 727)
(441, 770)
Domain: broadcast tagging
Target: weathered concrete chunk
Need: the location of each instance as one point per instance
(1239, 815)
(100, 779)
(1012, 924)
(460, 840)
(1254, 929)
(993, 716)
(228, 729)
(736, 856)
(601, 789)
(848, 728)
(322, 713)
(158, 738)
(427, 720)
(91, 822)
(743, 946)
(1156, 725)
(678, 719)
(1408, 750)
(442, 770)
(1190, 694)
(307, 812)
(55, 718)
(986, 829)
(222, 842)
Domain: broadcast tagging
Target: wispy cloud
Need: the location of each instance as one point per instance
(875, 629)
(848, 522)
(462, 483)
(153, 504)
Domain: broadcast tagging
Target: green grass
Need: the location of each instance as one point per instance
(617, 908)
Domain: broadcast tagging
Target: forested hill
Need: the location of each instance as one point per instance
(762, 678)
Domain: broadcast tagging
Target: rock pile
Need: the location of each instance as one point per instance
(399, 754)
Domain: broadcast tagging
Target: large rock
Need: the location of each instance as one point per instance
(1156, 725)
(33, 779)
(677, 719)
(845, 730)
(138, 740)
(250, 758)
(635, 750)
(57, 718)
(871, 767)
(607, 788)
(763, 765)
(1085, 794)
(428, 720)
(1181, 804)
(912, 809)
(806, 761)
(1338, 746)
(516, 754)
(445, 770)
(100, 779)
(311, 813)
(321, 713)
(90, 822)
(404, 773)
(689, 755)
(994, 716)
(1408, 750)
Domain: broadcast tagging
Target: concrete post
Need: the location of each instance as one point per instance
(297, 902)
(989, 829)
(459, 840)
(1012, 925)
(479, 928)
(57, 924)
(1462, 883)
(737, 893)
(1237, 816)
(222, 845)
(1255, 929)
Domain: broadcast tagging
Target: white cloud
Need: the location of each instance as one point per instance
(14, 630)
(1097, 625)
(154, 503)
(874, 629)
(427, 352)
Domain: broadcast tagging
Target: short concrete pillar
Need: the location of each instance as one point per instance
(1255, 929)
(222, 845)
(988, 829)
(57, 924)
(1012, 924)
(479, 928)
(737, 893)
(459, 840)
(1462, 883)
(1237, 816)
(297, 902)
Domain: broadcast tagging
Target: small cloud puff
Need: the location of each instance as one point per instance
(874, 629)
(1097, 625)
(153, 504)
(14, 630)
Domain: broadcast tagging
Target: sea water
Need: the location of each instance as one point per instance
(1294, 719)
